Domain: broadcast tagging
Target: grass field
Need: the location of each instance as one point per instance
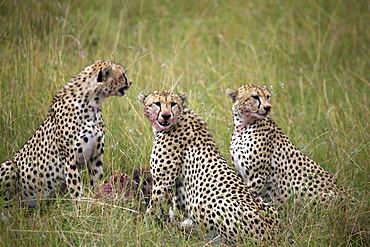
(314, 55)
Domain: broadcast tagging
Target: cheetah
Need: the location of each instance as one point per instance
(71, 136)
(185, 154)
(267, 160)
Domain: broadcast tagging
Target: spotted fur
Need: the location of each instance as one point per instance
(269, 163)
(185, 155)
(70, 138)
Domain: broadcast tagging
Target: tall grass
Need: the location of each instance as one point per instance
(313, 55)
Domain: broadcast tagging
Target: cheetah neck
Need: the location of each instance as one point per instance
(95, 102)
(81, 96)
(240, 125)
(241, 129)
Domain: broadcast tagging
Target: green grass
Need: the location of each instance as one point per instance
(314, 55)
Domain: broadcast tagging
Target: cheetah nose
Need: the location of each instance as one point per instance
(267, 108)
(166, 116)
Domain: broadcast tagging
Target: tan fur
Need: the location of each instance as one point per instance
(269, 163)
(71, 137)
(185, 159)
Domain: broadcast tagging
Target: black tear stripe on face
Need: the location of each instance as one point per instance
(126, 78)
(100, 76)
(160, 109)
(256, 97)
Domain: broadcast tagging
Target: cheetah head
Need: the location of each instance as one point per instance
(111, 79)
(163, 108)
(250, 103)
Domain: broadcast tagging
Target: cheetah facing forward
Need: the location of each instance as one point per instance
(269, 163)
(70, 137)
(214, 195)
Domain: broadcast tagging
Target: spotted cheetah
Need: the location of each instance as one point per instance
(70, 137)
(267, 160)
(185, 154)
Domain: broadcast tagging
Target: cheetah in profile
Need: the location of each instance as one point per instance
(185, 154)
(70, 138)
(267, 160)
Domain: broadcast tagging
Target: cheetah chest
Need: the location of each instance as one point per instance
(91, 137)
(240, 146)
(250, 152)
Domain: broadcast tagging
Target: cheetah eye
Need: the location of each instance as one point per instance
(268, 97)
(157, 103)
(173, 104)
(256, 97)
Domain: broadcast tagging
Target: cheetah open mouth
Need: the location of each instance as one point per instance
(164, 124)
(121, 91)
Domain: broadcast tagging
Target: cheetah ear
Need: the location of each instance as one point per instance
(183, 97)
(142, 98)
(232, 94)
(104, 73)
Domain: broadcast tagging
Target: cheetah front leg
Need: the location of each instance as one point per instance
(72, 177)
(93, 149)
(162, 190)
(93, 156)
(160, 194)
(95, 168)
(180, 211)
(164, 181)
(74, 164)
